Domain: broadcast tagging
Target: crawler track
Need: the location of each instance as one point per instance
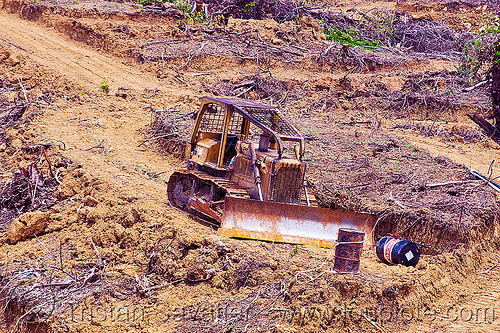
(202, 195)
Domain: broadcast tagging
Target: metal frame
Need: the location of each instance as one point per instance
(232, 105)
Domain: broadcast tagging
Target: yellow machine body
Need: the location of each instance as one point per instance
(239, 178)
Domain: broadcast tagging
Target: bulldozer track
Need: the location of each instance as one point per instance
(231, 187)
(221, 185)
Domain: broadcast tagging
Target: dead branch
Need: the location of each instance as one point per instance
(353, 122)
(488, 128)
(179, 78)
(398, 203)
(486, 271)
(56, 178)
(244, 92)
(99, 259)
(24, 90)
(476, 86)
(245, 84)
(100, 145)
(374, 324)
(48, 162)
(202, 74)
(456, 182)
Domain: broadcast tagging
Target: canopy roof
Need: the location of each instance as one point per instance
(267, 115)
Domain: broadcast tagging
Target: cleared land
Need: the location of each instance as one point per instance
(386, 126)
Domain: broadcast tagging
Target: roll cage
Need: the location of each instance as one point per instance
(231, 116)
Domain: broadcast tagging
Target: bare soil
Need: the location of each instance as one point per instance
(96, 247)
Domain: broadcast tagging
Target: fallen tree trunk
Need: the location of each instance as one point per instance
(486, 126)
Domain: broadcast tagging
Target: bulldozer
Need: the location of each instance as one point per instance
(245, 175)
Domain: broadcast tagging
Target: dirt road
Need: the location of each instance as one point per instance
(73, 60)
(115, 123)
(101, 131)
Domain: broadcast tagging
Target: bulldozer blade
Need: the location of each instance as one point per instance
(288, 223)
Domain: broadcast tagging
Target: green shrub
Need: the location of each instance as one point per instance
(104, 86)
(345, 38)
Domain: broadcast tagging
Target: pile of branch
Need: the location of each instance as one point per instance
(10, 114)
(406, 101)
(28, 190)
(435, 94)
(35, 290)
(246, 45)
(356, 59)
(279, 10)
(14, 113)
(267, 88)
(398, 31)
(170, 129)
(249, 46)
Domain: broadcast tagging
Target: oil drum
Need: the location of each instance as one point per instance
(398, 251)
(348, 250)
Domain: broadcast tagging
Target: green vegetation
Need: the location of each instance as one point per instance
(350, 39)
(479, 54)
(183, 6)
(104, 86)
(80, 87)
(496, 58)
(295, 251)
(493, 30)
(470, 66)
(248, 6)
(197, 17)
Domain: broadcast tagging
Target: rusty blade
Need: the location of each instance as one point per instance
(288, 223)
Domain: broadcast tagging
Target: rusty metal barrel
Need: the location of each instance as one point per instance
(348, 250)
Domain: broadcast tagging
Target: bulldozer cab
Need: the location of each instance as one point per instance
(223, 122)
